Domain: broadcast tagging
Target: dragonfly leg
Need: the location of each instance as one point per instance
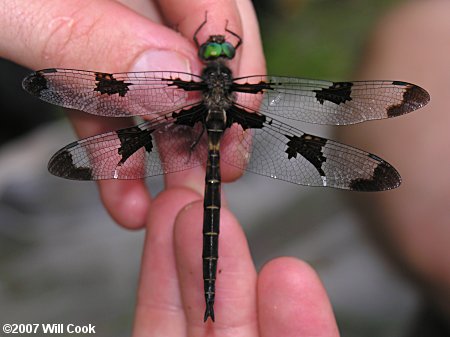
(199, 29)
(234, 34)
(197, 140)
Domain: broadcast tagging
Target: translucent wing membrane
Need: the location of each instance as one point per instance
(283, 152)
(275, 150)
(325, 102)
(143, 93)
(131, 153)
(115, 95)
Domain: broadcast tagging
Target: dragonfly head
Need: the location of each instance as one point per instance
(216, 47)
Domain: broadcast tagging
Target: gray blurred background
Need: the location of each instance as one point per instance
(62, 259)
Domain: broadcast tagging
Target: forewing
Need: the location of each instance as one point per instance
(115, 95)
(282, 152)
(131, 153)
(325, 102)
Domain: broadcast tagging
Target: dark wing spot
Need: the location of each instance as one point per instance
(188, 85)
(190, 116)
(308, 146)
(245, 119)
(385, 177)
(131, 140)
(252, 88)
(35, 83)
(400, 83)
(62, 165)
(414, 98)
(337, 93)
(107, 84)
(48, 71)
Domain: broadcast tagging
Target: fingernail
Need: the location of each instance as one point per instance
(159, 60)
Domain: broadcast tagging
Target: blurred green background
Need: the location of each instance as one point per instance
(317, 38)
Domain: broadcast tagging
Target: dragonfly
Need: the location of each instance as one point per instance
(189, 116)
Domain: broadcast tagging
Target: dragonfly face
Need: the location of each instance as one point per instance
(261, 105)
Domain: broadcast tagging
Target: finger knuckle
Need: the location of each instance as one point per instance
(67, 37)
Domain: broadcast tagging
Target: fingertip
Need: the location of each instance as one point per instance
(159, 307)
(155, 59)
(301, 273)
(169, 203)
(293, 299)
(235, 297)
(127, 201)
(193, 179)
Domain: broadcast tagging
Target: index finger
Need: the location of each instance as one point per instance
(236, 16)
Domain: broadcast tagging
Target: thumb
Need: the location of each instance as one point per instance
(96, 35)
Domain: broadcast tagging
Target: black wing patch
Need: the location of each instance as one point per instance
(107, 84)
(191, 116)
(413, 98)
(37, 83)
(245, 119)
(132, 139)
(308, 146)
(382, 173)
(337, 93)
(62, 164)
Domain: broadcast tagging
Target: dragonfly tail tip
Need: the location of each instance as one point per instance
(209, 312)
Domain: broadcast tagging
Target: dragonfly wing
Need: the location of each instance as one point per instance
(131, 153)
(325, 102)
(115, 95)
(280, 151)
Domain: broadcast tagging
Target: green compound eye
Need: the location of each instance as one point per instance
(228, 50)
(212, 50)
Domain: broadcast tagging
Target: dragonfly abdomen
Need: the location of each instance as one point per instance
(211, 219)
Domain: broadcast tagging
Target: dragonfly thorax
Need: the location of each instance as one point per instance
(218, 79)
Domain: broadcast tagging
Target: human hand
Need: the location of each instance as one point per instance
(285, 299)
(109, 36)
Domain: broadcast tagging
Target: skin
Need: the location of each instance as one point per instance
(286, 298)
(413, 222)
